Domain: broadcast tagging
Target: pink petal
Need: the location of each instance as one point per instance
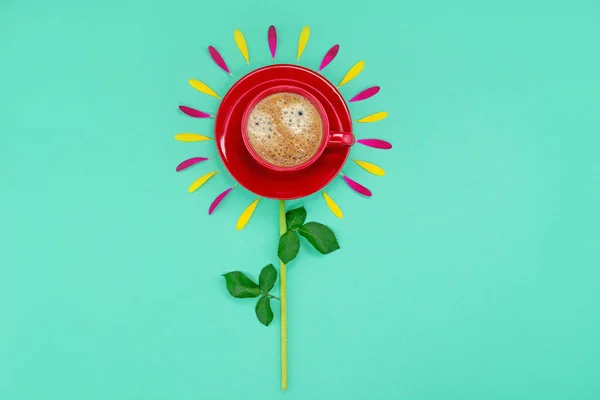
(357, 187)
(272, 35)
(189, 162)
(218, 200)
(329, 56)
(192, 112)
(375, 143)
(218, 59)
(365, 94)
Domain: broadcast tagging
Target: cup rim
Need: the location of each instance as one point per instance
(289, 89)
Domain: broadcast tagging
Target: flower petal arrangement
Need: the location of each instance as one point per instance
(277, 184)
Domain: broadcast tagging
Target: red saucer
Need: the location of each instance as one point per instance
(240, 164)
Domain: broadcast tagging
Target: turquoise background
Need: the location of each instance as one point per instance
(472, 273)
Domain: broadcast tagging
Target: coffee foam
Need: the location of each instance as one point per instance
(285, 129)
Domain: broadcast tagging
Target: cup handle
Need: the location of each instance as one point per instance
(340, 139)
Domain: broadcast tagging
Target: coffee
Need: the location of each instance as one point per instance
(285, 129)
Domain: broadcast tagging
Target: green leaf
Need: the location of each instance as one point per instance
(240, 286)
(263, 310)
(289, 246)
(295, 218)
(267, 278)
(321, 237)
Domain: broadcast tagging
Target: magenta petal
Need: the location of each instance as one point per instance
(329, 56)
(272, 36)
(216, 56)
(357, 187)
(375, 143)
(192, 112)
(365, 94)
(189, 162)
(218, 200)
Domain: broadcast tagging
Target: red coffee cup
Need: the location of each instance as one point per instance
(328, 138)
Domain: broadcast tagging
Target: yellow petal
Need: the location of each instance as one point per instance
(202, 87)
(353, 73)
(238, 36)
(245, 217)
(371, 168)
(190, 137)
(378, 116)
(201, 181)
(332, 206)
(303, 40)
